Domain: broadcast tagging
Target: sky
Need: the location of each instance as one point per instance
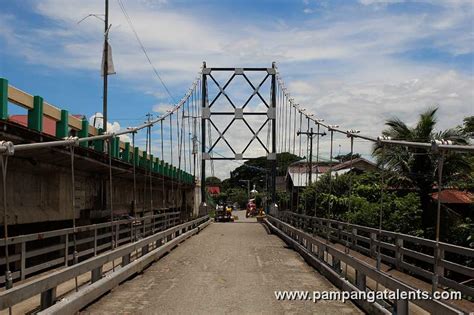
(352, 63)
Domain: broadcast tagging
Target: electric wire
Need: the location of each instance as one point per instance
(132, 27)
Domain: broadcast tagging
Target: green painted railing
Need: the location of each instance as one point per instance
(38, 109)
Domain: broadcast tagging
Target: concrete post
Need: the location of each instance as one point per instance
(96, 274)
(99, 144)
(401, 307)
(48, 298)
(35, 115)
(3, 99)
(360, 280)
(84, 132)
(126, 152)
(62, 126)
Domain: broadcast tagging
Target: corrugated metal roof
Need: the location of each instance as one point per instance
(301, 179)
(214, 190)
(347, 164)
(454, 196)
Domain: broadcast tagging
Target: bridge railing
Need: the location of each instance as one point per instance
(414, 255)
(39, 252)
(359, 276)
(38, 111)
(89, 274)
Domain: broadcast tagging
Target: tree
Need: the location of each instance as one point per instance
(213, 181)
(258, 171)
(468, 127)
(418, 167)
(237, 195)
(466, 180)
(361, 204)
(346, 157)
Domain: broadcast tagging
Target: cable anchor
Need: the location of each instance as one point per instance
(7, 148)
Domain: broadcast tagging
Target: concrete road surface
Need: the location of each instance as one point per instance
(229, 268)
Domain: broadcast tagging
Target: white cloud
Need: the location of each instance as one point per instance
(345, 67)
(162, 108)
(366, 105)
(379, 2)
(97, 120)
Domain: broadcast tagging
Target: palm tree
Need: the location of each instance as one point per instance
(415, 167)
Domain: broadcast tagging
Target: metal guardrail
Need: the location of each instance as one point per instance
(327, 258)
(39, 252)
(134, 258)
(408, 253)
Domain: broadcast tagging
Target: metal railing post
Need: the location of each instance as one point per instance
(354, 238)
(373, 244)
(23, 260)
(66, 250)
(398, 253)
(95, 241)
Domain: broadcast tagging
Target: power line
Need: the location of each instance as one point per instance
(130, 23)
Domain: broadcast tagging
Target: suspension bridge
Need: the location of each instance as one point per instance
(93, 222)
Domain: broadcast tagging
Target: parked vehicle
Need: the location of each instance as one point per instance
(223, 213)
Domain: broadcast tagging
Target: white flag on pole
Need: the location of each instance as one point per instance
(110, 62)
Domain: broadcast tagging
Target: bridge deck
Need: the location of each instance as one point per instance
(227, 268)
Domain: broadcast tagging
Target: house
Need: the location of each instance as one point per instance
(213, 190)
(297, 176)
(460, 201)
(298, 172)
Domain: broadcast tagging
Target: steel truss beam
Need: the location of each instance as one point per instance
(209, 110)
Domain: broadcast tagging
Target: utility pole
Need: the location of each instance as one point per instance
(203, 137)
(317, 153)
(149, 117)
(195, 148)
(106, 64)
(105, 60)
(310, 135)
(274, 133)
(194, 139)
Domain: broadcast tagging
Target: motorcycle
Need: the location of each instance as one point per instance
(251, 209)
